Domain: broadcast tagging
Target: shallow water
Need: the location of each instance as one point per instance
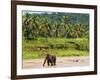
(61, 62)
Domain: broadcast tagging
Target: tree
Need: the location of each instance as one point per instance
(26, 26)
(53, 25)
(77, 31)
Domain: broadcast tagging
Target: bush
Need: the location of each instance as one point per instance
(83, 44)
(58, 46)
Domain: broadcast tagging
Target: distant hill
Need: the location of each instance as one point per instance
(73, 18)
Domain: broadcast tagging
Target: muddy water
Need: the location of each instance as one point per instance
(61, 62)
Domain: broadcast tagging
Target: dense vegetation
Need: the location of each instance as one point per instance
(63, 34)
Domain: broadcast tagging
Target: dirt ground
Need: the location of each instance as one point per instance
(61, 62)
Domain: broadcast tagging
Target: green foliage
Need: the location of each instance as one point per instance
(59, 46)
(57, 52)
(68, 25)
(63, 34)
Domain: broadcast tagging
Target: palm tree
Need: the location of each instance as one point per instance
(77, 32)
(26, 26)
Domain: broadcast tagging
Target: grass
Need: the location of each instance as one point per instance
(48, 41)
(31, 52)
(57, 52)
